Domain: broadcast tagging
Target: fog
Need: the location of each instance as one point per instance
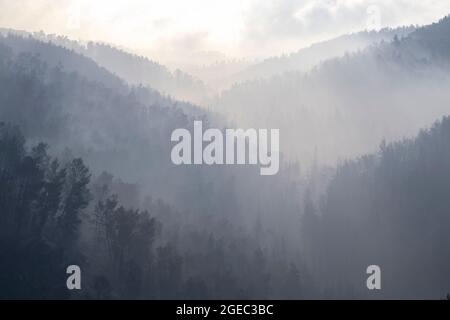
(86, 175)
(203, 32)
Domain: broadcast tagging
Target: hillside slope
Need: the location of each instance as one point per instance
(134, 69)
(345, 106)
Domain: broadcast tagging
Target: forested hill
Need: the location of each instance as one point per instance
(306, 58)
(345, 106)
(60, 97)
(122, 130)
(134, 69)
(102, 193)
(54, 55)
(395, 205)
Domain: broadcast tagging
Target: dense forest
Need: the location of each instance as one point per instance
(133, 68)
(391, 207)
(86, 176)
(108, 128)
(400, 85)
(305, 59)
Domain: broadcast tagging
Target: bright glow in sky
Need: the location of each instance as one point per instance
(210, 29)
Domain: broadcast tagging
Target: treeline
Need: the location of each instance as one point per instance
(45, 206)
(391, 209)
(140, 227)
(41, 201)
(55, 213)
(209, 245)
(346, 105)
(97, 60)
(305, 59)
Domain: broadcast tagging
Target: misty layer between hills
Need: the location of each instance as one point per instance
(104, 193)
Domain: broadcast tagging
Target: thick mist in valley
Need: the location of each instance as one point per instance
(86, 175)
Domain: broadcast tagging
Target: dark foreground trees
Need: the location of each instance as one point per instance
(54, 213)
(41, 202)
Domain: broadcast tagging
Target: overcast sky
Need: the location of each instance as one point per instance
(235, 28)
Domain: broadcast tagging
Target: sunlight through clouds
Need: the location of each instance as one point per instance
(235, 28)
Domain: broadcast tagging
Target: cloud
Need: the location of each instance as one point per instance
(290, 23)
(235, 27)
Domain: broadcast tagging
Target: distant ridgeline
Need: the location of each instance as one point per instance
(134, 69)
